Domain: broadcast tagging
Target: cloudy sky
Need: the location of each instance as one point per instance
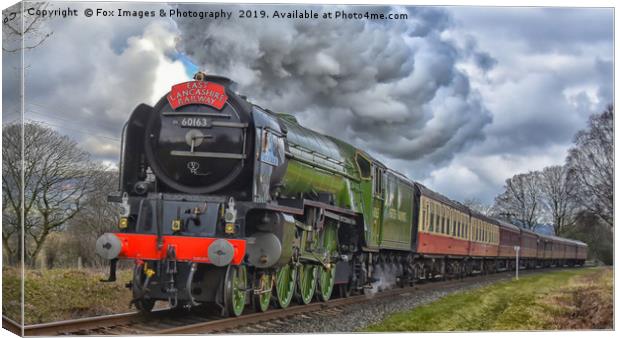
(458, 98)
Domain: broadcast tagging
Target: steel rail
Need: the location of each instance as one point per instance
(81, 324)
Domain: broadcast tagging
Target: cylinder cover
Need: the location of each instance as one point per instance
(265, 251)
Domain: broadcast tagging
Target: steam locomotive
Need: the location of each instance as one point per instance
(224, 202)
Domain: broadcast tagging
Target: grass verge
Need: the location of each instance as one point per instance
(60, 294)
(565, 299)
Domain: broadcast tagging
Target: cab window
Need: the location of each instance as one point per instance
(363, 164)
(379, 181)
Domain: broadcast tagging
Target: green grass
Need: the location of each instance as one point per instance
(60, 294)
(536, 302)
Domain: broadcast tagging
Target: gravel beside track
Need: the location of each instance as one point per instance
(355, 317)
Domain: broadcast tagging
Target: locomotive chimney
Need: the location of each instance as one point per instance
(200, 76)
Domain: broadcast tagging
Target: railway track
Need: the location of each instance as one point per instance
(198, 320)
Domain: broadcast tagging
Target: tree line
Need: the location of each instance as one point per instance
(53, 193)
(576, 198)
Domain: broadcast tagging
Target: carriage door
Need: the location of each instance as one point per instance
(378, 201)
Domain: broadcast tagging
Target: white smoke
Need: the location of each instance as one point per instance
(386, 277)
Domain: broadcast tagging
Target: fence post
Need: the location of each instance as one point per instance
(43, 259)
(517, 248)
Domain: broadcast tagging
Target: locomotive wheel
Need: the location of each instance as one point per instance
(286, 277)
(142, 304)
(307, 282)
(235, 289)
(326, 282)
(262, 300)
(327, 274)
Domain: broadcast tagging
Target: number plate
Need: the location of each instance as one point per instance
(194, 122)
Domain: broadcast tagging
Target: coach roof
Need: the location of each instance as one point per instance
(507, 225)
(441, 198)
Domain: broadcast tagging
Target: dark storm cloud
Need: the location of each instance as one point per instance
(391, 88)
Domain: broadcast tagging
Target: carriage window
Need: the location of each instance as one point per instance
(429, 213)
(465, 228)
(363, 164)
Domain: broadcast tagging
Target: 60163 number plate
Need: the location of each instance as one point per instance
(194, 122)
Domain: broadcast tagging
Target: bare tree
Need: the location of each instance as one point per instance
(56, 177)
(96, 217)
(22, 31)
(520, 201)
(591, 165)
(477, 205)
(12, 194)
(590, 229)
(558, 196)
